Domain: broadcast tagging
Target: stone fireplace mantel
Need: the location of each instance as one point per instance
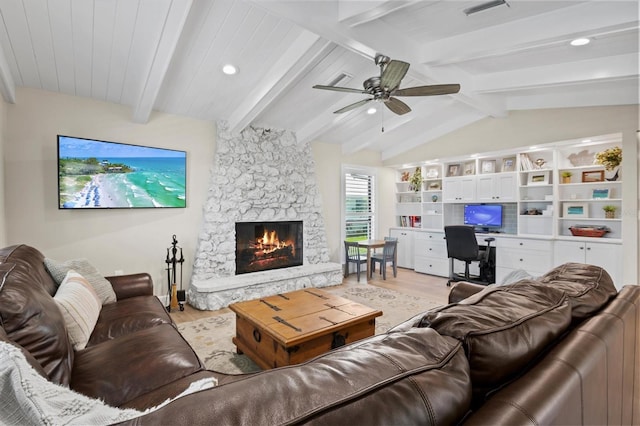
(217, 292)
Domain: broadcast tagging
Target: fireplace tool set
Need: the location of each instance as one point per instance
(176, 297)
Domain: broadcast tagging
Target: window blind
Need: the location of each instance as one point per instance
(359, 206)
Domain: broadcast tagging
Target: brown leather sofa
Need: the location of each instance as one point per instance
(563, 349)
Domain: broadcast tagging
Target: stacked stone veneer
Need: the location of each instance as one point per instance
(259, 175)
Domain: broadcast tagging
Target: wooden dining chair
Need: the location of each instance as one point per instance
(352, 255)
(388, 255)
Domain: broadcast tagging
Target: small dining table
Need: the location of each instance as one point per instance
(369, 245)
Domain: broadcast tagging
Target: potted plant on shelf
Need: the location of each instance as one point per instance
(416, 180)
(566, 177)
(609, 211)
(610, 159)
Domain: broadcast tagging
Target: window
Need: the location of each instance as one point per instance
(359, 202)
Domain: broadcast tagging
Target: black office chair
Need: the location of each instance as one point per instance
(462, 245)
(352, 255)
(388, 255)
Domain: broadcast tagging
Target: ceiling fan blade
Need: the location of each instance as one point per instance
(339, 89)
(436, 89)
(397, 106)
(393, 73)
(352, 106)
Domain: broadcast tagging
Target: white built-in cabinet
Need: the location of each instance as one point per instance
(607, 256)
(547, 190)
(405, 251)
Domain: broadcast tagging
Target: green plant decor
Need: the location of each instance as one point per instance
(567, 174)
(416, 179)
(609, 158)
(609, 208)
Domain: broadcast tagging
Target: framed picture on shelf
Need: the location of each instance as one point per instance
(593, 176)
(600, 194)
(434, 186)
(509, 164)
(538, 178)
(432, 173)
(453, 170)
(575, 210)
(488, 166)
(470, 168)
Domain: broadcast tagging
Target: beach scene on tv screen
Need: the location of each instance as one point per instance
(97, 174)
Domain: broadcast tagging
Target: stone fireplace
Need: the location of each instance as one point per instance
(261, 246)
(259, 176)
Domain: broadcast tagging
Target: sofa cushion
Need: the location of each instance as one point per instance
(503, 329)
(122, 369)
(128, 316)
(587, 287)
(417, 377)
(80, 308)
(101, 285)
(30, 316)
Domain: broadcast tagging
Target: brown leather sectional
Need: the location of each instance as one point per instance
(563, 349)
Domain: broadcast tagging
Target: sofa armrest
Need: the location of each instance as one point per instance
(462, 289)
(131, 285)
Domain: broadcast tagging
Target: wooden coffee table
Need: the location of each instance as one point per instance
(293, 327)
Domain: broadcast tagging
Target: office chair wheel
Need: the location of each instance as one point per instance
(449, 283)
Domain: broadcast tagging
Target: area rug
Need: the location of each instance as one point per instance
(211, 337)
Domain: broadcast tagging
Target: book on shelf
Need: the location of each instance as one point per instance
(525, 162)
(410, 221)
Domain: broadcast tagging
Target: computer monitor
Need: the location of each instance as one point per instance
(483, 216)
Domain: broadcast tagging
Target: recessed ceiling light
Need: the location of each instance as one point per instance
(580, 41)
(229, 69)
(371, 110)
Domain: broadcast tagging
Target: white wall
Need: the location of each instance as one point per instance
(525, 128)
(128, 240)
(3, 125)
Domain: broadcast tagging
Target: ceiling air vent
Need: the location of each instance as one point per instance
(485, 6)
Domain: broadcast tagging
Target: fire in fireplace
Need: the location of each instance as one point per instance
(268, 245)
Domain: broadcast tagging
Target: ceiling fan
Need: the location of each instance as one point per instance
(386, 86)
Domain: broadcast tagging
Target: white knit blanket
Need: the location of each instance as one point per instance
(27, 398)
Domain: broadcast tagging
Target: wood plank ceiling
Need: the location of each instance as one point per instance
(167, 55)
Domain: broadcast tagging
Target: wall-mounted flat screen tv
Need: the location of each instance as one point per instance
(95, 174)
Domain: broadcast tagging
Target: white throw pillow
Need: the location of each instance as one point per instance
(80, 307)
(100, 284)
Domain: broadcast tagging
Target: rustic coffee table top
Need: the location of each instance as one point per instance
(295, 317)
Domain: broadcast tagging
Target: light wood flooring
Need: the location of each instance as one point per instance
(407, 281)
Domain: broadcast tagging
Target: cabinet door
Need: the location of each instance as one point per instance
(451, 190)
(485, 188)
(608, 257)
(405, 247)
(568, 251)
(505, 186)
(468, 189)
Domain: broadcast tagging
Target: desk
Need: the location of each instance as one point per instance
(370, 244)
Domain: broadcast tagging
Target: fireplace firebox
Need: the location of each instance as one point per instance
(261, 246)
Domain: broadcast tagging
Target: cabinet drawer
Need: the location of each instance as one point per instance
(524, 259)
(524, 243)
(431, 248)
(431, 265)
(429, 236)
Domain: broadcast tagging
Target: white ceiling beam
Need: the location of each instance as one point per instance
(523, 34)
(305, 52)
(588, 71)
(165, 49)
(7, 85)
(355, 13)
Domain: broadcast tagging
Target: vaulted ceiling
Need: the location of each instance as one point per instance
(167, 55)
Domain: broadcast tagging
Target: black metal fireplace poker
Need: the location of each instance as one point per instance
(176, 297)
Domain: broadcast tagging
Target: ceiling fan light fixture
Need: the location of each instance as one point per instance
(580, 41)
(229, 69)
(484, 6)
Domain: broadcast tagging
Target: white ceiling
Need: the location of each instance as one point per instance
(167, 55)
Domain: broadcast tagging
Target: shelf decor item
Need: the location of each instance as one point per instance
(588, 231)
(600, 194)
(575, 210)
(609, 158)
(470, 168)
(453, 170)
(593, 176)
(488, 166)
(609, 211)
(509, 164)
(538, 178)
(416, 180)
(566, 177)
